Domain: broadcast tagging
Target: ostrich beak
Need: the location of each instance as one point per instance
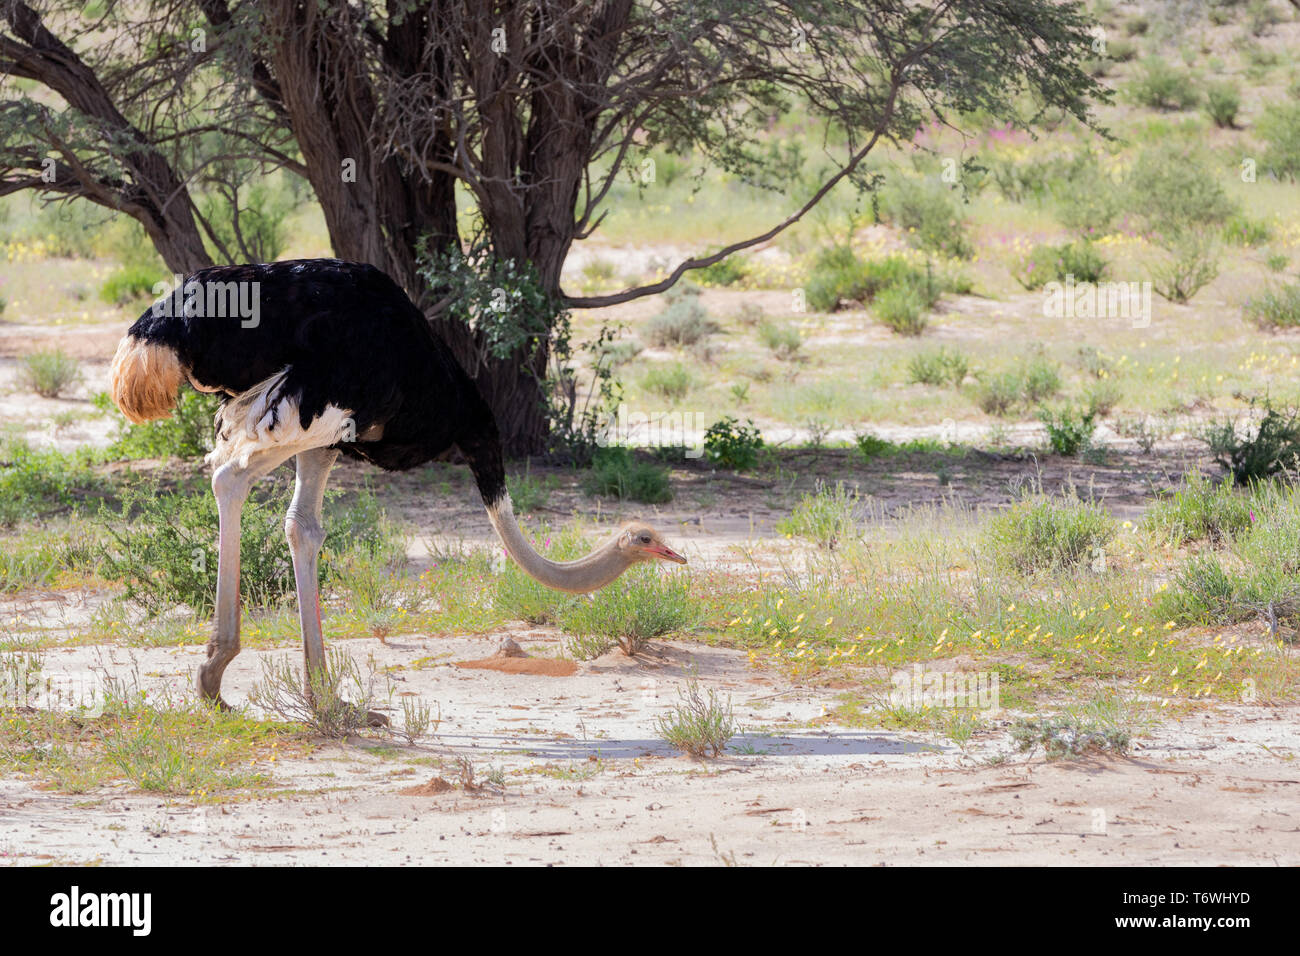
(666, 553)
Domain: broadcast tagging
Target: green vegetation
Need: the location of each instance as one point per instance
(161, 546)
(942, 366)
(684, 320)
(188, 433)
(1033, 381)
(826, 517)
(616, 472)
(130, 285)
(673, 381)
(1046, 263)
(643, 604)
(700, 724)
(1041, 532)
(1277, 307)
(1261, 449)
(1069, 430)
(1201, 510)
(930, 214)
(730, 444)
(49, 373)
(781, 338)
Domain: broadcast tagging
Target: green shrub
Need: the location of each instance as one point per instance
(943, 366)
(1069, 431)
(1022, 180)
(1222, 101)
(1039, 379)
(673, 381)
(1160, 86)
(1265, 449)
(1101, 397)
(902, 308)
(528, 493)
(1092, 361)
(35, 484)
(782, 338)
(1089, 202)
(1121, 50)
(1200, 510)
(1279, 128)
(999, 394)
(930, 214)
(1243, 231)
(1202, 590)
(729, 444)
(826, 517)
(1043, 533)
(1277, 307)
(49, 372)
(642, 605)
(873, 446)
(188, 433)
(129, 284)
(837, 274)
(1174, 193)
(1260, 581)
(163, 546)
(597, 271)
(618, 353)
(616, 472)
(1081, 260)
(700, 725)
(333, 702)
(728, 271)
(1191, 264)
(1261, 17)
(1067, 737)
(1045, 263)
(684, 322)
(834, 271)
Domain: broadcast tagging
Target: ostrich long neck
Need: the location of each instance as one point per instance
(577, 577)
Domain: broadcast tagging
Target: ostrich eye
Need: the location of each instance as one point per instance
(645, 539)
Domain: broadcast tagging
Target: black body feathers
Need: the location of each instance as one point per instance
(346, 335)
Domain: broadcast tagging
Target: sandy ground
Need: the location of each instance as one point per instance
(586, 777)
(586, 781)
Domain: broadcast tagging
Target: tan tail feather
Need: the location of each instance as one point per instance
(145, 379)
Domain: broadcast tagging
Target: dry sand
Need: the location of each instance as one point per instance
(586, 780)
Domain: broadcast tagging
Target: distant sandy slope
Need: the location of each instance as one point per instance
(587, 781)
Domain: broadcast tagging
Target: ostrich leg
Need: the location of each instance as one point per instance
(302, 526)
(231, 483)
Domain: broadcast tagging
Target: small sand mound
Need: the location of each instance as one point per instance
(433, 787)
(544, 666)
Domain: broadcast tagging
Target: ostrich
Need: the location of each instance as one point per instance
(331, 358)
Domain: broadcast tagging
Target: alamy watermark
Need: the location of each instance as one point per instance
(1099, 300)
(921, 688)
(209, 299)
(25, 684)
(660, 429)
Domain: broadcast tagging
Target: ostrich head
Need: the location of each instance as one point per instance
(640, 542)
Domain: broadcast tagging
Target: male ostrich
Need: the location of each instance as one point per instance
(338, 360)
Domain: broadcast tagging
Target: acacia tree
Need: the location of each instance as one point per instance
(532, 108)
